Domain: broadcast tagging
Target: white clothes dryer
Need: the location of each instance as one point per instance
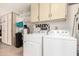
(33, 44)
(59, 43)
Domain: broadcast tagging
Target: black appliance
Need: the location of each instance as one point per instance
(19, 40)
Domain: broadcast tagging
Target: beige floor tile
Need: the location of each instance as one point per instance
(6, 50)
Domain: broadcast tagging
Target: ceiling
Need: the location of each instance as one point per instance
(15, 7)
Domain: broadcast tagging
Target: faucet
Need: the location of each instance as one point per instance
(48, 29)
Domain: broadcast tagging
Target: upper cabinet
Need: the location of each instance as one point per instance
(44, 12)
(34, 12)
(48, 11)
(58, 10)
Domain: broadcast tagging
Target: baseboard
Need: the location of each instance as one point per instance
(77, 51)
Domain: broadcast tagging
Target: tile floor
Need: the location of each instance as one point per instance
(6, 50)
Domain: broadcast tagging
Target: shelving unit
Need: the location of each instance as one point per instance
(8, 29)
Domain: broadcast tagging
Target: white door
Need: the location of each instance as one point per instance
(6, 29)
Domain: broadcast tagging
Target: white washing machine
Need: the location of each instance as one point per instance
(33, 44)
(59, 43)
(56, 43)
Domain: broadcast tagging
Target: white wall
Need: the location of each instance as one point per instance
(60, 24)
(72, 10)
(15, 7)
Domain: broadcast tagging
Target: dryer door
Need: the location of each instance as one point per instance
(32, 49)
(32, 45)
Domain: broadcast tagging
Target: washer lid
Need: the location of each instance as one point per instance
(60, 37)
(59, 33)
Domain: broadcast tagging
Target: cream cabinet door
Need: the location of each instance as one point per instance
(34, 12)
(44, 11)
(58, 10)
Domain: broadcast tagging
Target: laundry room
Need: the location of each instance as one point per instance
(51, 21)
(39, 29)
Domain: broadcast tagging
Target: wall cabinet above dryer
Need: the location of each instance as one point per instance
(9, 28)
(44, 11)
(58, 11)
(48, 11)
